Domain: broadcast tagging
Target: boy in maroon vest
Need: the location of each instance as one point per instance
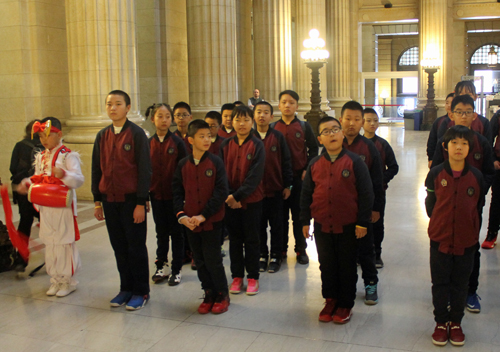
(227, 130)
(214, 120)
(200, 189)
(182, 118)
(455, 197)
(337, 194)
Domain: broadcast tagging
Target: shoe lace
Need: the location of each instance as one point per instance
(371, 289)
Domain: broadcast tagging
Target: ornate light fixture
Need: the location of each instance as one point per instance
(431, 64)
(315, 57)
(492, 57)
(384, 95)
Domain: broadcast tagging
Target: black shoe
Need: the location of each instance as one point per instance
(274, 265)
(262, 264)
(379, 263)
(19, 263)
(193, 265)
(174, 279)
(302, 258)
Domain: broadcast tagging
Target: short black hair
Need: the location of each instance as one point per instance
(458, 131)
(352, 105)
(181, 105)
(196, 125)
(241, 110)
(469, 85)
(464, 99)
(369, 111)
(53, 121)
(125, 96)
(151, 110)
(451, 95)
(326, 119)
(291, 93)
(238, 102)
(228, 106)
(264, 103)
(215, 115)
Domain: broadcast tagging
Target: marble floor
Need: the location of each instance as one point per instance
(282, 317)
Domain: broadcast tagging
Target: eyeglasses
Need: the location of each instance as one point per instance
(183, 116)
(463, 113)
(213, 126)
(327, 132)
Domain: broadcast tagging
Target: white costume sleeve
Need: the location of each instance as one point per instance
(73, 177)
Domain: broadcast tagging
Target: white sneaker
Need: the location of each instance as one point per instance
(174, 279)
(162, 273)
(53, 289)
(65, 290)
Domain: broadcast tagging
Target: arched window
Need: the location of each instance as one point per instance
(480, 56)
(409, 57)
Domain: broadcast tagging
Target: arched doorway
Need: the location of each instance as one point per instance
(407, 87)
(491, 75)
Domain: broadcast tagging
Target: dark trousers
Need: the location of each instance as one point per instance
(292, 204)
(366, 257)
(168, 227)
(207, 256)
(243, 226)
(378, 233)
(474, 276)
(272, 213)
(337, 263)
(450, 277)
(129, 243)
(27, 213)
(494, 221)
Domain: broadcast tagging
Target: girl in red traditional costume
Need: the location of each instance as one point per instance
(52, 190)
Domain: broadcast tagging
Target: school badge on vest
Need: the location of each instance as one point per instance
(171, 150)
(249, 157)
(209, 172)
(127, 147)
(346, 173)
(274, 148)
(444, 183)
(471, 191)
(362, 157)
(477, 156)
(298, 135)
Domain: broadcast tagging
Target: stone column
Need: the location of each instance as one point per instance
(101, 57)
(339, 44)
(310, 14)
(272, 47)
(434, 28)
(212, 54)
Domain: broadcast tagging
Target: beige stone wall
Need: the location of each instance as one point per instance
(33, 68)
(244, 41)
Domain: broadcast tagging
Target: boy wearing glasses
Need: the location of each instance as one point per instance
(337, 193)
(481, 157)
(182, 118)
(214, 120)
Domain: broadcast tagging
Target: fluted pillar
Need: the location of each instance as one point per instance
(435, 31)
(272, 47)
(101, 57)
(339, 44)
(212, 54)
(310, 14)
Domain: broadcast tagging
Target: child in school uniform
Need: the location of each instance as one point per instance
(244, 159)
(337, 193)
(480, 156)
(121, 178)
(58, 227)
(227, 130)
(303, 148)
(436, 126)
(182, 118)
(167, 150)
(277, 183)
(200, 189)
(214, 120)
(455, 197)
(352, 120)
(390, 169)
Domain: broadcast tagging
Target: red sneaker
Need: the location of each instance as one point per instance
(208, 301)
(440, 336)
(221, 303)
(457, 337)
(326, 315)
(490, 241)
(342, 315)
(236, 285)
(252, 287)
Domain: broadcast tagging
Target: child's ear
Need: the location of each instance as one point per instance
(444, 147)
(59, 134)
(474, 116)
(191, 140)
(319, 140)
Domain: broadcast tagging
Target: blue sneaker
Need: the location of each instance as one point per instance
(137, 302)
(371, 297)
(473, 304)
(121, 298)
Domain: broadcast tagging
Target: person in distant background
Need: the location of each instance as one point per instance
(255, 99)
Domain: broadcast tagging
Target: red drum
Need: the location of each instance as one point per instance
(50, 195)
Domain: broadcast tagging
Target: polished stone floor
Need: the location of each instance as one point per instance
(282, 317)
